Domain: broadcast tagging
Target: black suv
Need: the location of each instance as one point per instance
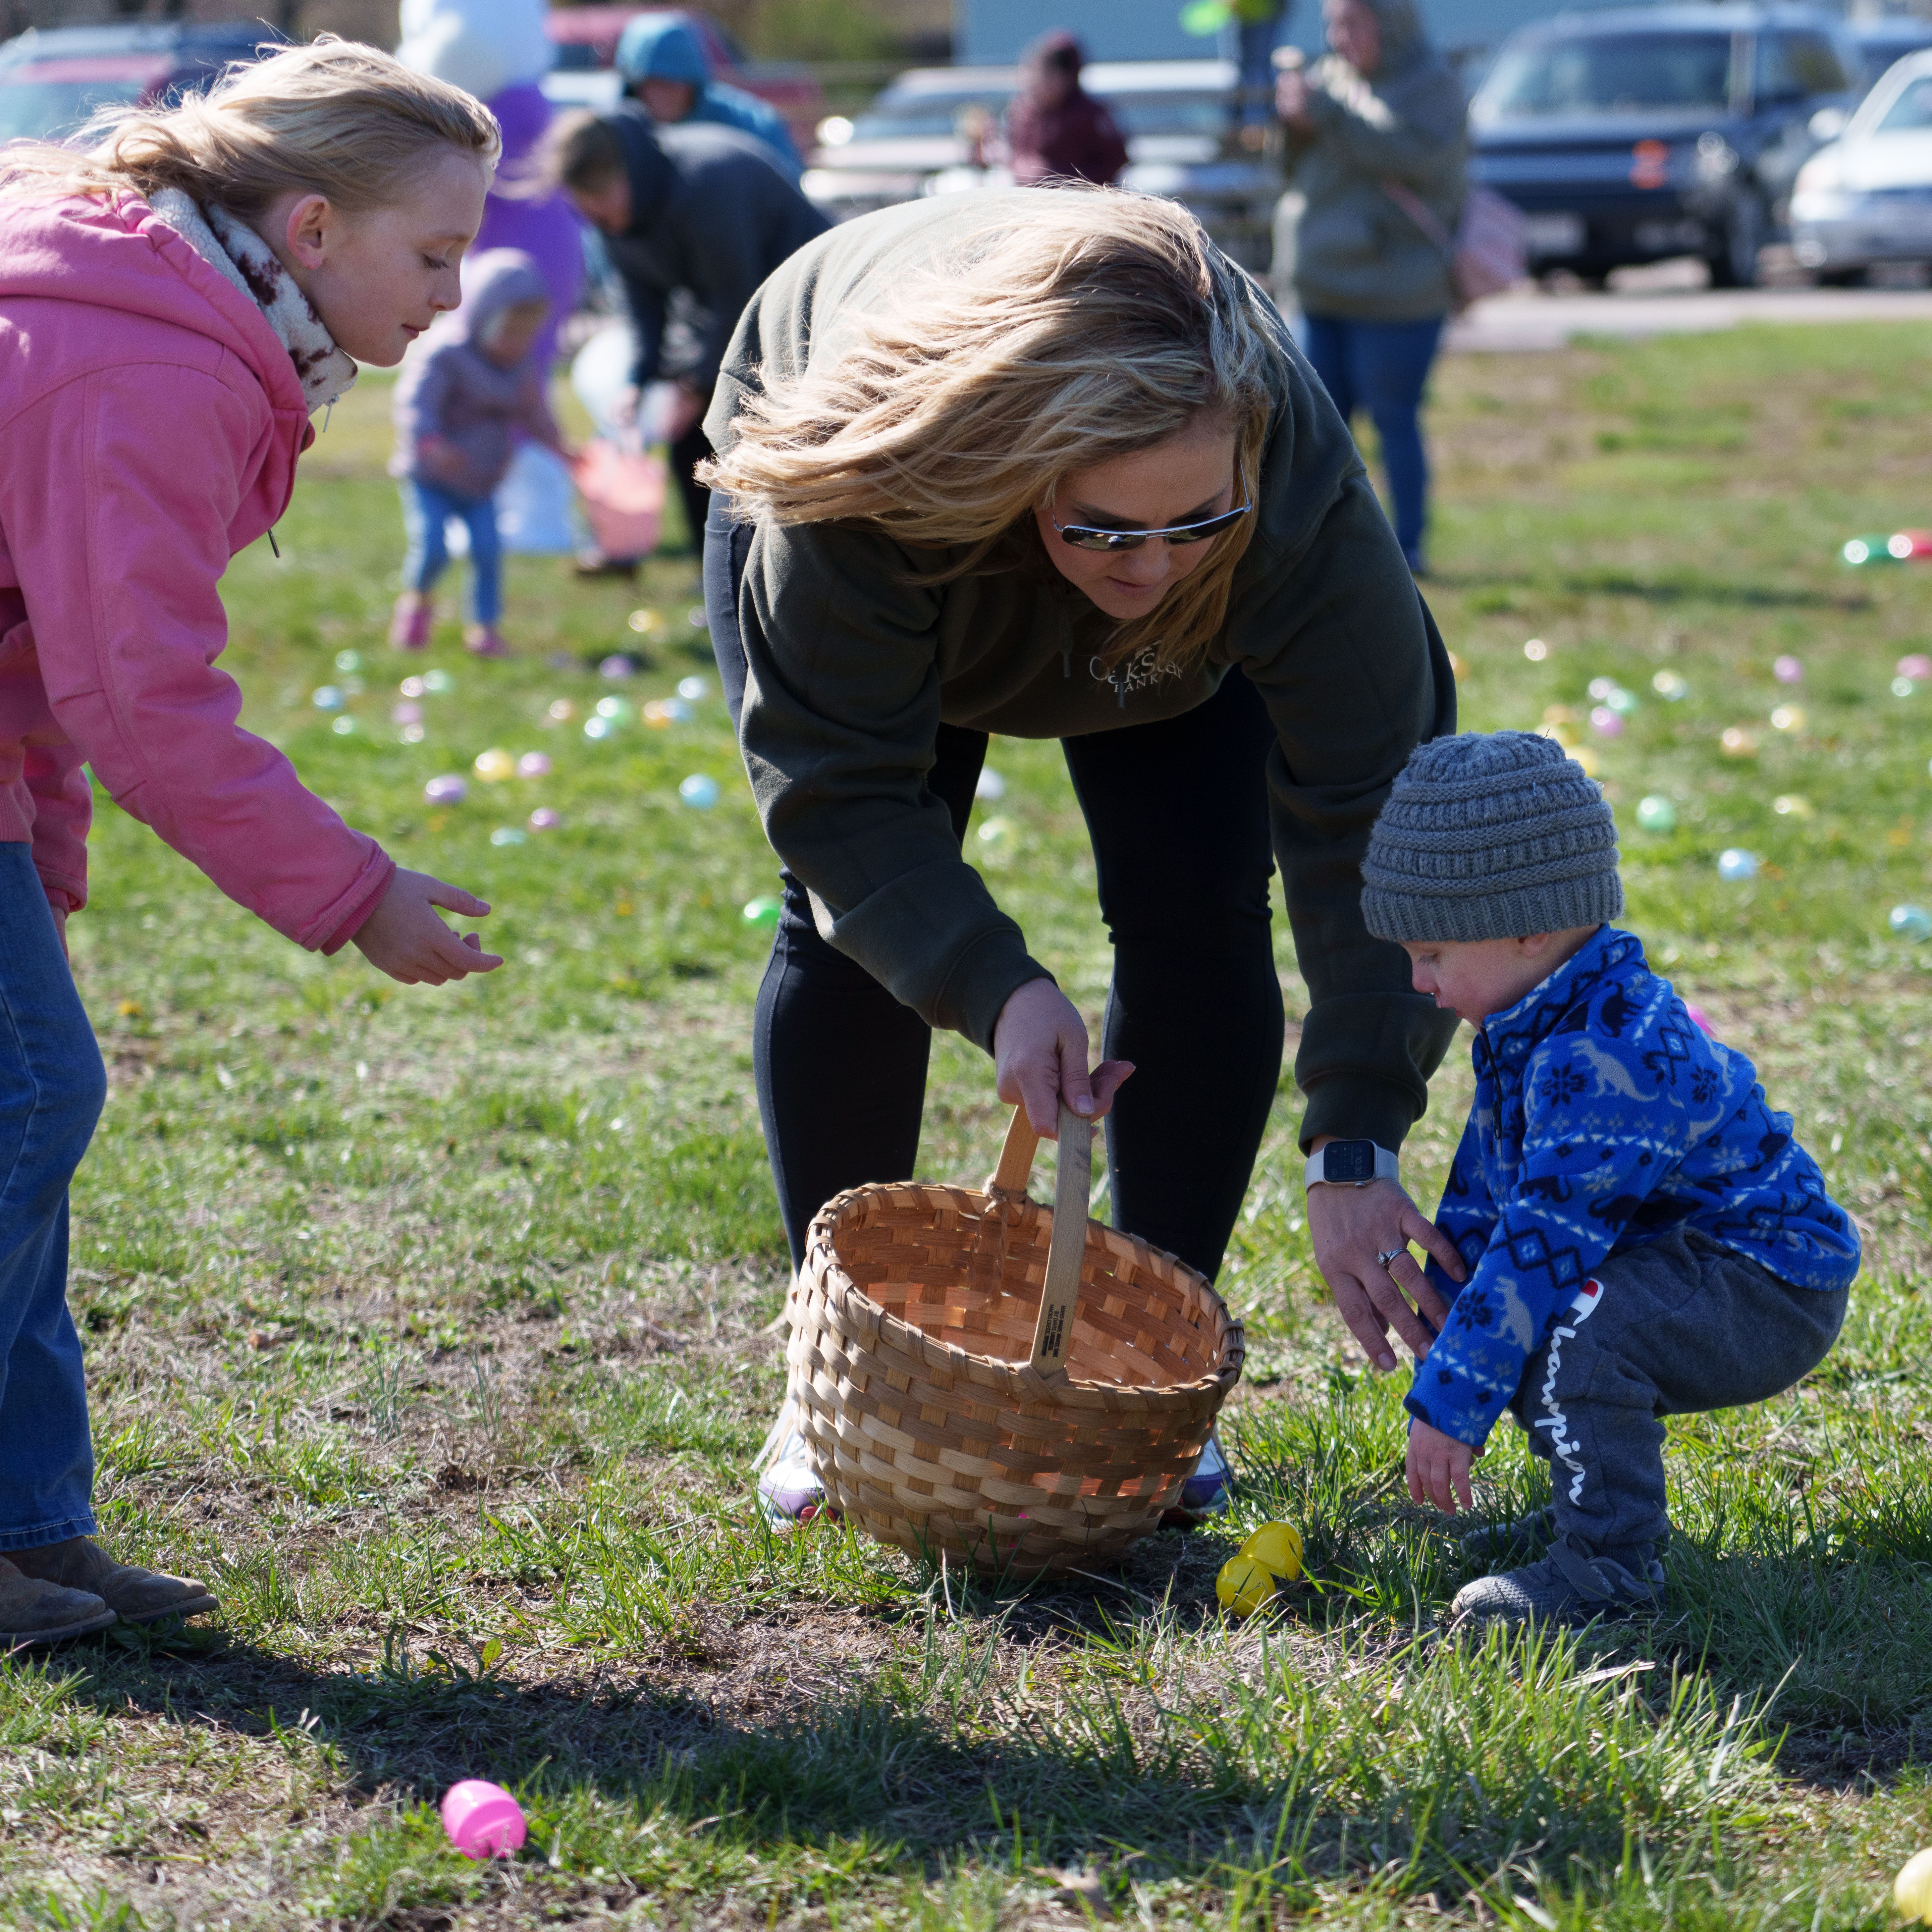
(1638, 133)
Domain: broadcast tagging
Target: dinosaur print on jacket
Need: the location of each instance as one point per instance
(1603, 1118)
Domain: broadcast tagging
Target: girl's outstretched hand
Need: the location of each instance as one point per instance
(404, 938)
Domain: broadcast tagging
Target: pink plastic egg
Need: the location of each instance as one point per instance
(1605, 723)
(483, 1820)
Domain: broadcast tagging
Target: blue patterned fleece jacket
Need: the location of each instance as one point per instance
(1605, 1117)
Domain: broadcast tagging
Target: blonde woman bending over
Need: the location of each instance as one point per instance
(1045, 463)
(174, 304)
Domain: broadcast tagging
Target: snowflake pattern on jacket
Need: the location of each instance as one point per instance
(1605, 1117)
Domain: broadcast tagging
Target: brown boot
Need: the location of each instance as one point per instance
(136, 1596)
(34, 1611)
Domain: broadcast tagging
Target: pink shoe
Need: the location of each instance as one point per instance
(409, 628)
(483, 640)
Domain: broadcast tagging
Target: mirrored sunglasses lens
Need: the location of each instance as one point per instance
(1201, 532)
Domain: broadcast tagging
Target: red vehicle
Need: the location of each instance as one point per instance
(53, 79)
(586, 39)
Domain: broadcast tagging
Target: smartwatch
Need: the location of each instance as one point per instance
(1351, 1164)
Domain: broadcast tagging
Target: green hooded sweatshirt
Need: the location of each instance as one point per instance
(1342, 244)
(852, 665)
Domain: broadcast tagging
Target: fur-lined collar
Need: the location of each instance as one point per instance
(239, 256)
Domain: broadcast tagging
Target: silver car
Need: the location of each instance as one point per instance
(932, 132)
(1866, 198)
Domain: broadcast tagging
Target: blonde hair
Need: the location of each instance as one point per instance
(1085, 324)
(332, 118)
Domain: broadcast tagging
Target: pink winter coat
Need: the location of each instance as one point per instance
(150, 419)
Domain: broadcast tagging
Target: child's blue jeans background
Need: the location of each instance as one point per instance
(1382, 367)
(427, 509)
(52, 1088)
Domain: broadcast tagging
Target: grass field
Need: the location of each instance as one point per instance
(431, 1326)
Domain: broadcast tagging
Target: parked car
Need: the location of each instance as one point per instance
(53, 78)
(1639, 134)
(1866, 198)
(1881, 43)
(586, 40)
(934, 131)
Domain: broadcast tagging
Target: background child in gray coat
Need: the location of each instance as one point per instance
(466, 390)
(1643, 1236)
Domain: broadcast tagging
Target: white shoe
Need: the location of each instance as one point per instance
(1206, 1492)
(789, 1491)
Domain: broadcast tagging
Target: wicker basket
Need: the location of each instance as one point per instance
(914, 1341)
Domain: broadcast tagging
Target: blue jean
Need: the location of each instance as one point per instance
(427, 509)
(52, 1087)
(1382, 367)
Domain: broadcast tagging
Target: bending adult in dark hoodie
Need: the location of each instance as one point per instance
(864, 697)
(711, 215)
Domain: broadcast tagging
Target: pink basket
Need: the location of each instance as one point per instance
(623, 497)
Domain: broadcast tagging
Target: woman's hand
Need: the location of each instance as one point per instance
(1349, 1227)
(1039, 1057)
(404, 938)
(687, 408)
(1290, 100)
(1438, 1468)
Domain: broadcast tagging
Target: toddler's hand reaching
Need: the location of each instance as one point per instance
(1439, 1468)
(404, 938)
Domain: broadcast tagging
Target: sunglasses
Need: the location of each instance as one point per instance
(1082, 536)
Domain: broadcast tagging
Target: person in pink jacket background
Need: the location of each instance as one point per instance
(174, 304)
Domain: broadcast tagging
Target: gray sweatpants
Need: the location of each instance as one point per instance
(1683, 1325)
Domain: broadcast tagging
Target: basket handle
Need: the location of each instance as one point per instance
(1053, 1333)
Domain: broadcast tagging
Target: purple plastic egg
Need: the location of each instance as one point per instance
(545, 819)
(533, 765)
(1787, 670)
(1606, 723)
(447, 790)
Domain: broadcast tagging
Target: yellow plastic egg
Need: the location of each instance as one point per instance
(1244, 1585)
(1911, 1890)
(495, 765)
(1277, 1547)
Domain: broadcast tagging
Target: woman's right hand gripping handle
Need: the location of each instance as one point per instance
(1039, 1056)
(404, 938)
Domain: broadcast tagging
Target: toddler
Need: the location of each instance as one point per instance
(471, 384)
(1644, 1236)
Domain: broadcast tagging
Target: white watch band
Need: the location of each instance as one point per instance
(1387, 1168)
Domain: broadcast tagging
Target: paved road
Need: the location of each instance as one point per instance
(1528, 319)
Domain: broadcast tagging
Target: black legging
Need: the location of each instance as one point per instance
(1178, 814)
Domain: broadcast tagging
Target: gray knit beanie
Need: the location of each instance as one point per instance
(1490, 835)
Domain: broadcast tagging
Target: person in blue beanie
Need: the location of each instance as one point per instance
(668, 72)
(1643, 1235)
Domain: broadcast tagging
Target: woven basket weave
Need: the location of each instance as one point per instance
(912, 1334)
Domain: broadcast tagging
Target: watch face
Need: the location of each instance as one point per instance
(1348, 1160)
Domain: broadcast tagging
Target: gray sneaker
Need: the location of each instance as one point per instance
(1568, 1586)
(1495, 1540)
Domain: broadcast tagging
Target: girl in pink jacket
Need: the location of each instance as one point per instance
(173, 304)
